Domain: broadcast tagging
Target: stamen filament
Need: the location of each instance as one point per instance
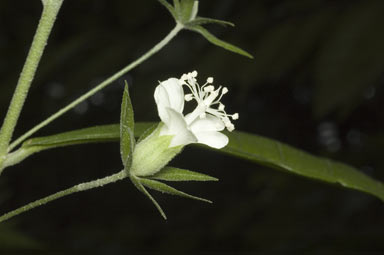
(206, 96)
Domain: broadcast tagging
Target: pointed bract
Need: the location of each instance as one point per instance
(202, 21)
(216, 41)
(170, 8)
(178, 174)
(127, 125)
(164, 188)
(140, 187)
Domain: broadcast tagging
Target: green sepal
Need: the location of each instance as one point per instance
(164, 188)
(216, 41)
(188, 10)
(148, 131)
(202, 21)
(141, 188)
(178, 174)
(153, 153)
(170, 8)
(127, 128)
(176, 4)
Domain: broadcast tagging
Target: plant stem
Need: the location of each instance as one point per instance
(105, 83)
(47, 20)
(77, 188)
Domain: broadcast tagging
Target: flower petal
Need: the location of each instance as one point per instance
(162, 102)
(212, 139)
(209, 123)
(177, 127)
(175, 93)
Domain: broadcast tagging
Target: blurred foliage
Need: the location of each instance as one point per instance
(314, 83)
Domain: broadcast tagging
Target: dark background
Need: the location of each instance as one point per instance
(315, 83)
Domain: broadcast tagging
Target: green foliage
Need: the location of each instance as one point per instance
(168, 174)
(127, 127)
(202, 21)
(284, 157)
(178, 174)
(139, 186)
(258, 149)
(96, 134)
(216, 41)
(185, 12)
(164, 188)
(170, 8)
(188, 10)
(105, 133)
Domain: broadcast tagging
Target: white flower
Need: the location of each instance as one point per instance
(203, 124)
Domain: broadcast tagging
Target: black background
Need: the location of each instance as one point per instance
(315, 83)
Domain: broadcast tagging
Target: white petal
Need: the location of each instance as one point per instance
(212, 139)
(177, 127)
(162, 102)
(209, 123)
(175, 93)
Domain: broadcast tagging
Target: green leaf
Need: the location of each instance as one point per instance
(127, 127)
(170, 8)
(216, 41)
(105, 133)
(96, 134)
(164, 188)
(177, 174)
(202, 21)
(280, 156)
(252, 147)
(140, 187)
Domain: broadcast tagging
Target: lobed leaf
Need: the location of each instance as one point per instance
(178, 174)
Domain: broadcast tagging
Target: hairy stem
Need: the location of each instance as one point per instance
(77, 188)
(47, 20)
(105, 83)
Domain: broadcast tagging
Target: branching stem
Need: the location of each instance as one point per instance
(102, 85)
(47, 20)
(77, 188)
